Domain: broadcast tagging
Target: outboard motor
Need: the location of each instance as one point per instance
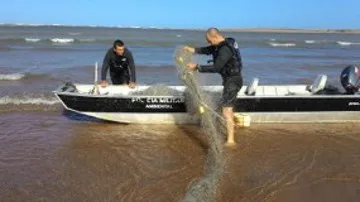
(350, 79)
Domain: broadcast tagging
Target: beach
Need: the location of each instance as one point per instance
(49, 157)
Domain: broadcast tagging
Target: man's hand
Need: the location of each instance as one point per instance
(191, 66)
(189, 49)
(104, 83)
(132, 85)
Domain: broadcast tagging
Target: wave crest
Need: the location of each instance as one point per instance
(11, 77)
(62, 40)
(310, 41)
(346, 43)
(28, 100)
(282, 44)
(32, 40)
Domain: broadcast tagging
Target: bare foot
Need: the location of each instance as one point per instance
(230, 144)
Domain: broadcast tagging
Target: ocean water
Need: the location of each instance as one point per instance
(47, 154)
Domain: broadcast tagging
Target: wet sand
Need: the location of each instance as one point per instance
(48, 156)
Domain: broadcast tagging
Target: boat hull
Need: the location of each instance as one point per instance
(172, 109)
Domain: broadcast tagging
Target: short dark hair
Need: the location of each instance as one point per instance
(212, 31)
(118, 43)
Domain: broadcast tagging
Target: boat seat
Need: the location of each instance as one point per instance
(318, 84)
(251, 90)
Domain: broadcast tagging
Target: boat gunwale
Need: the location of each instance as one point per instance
(178, 96)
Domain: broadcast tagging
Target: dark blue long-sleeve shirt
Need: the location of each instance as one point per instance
(116, 63)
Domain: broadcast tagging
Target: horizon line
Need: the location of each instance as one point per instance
(177, 28)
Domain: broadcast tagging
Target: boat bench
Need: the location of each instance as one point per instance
(286, 90)
(281, 90)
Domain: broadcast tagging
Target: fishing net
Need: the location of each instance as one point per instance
(205, 188)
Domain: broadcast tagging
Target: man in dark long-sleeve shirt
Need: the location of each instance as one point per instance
(120, 62)
(227, 62)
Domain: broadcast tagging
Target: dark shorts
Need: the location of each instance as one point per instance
(232, 86)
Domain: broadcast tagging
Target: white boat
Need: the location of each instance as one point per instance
(263, 103)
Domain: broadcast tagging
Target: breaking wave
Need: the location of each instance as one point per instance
(31, 102)
(53, 40)
(310, 41)
(76, 39)
(11, 77)
(282, 44)
(32, 39)
(27, 76)
(346, 43)
(28, 100)
(62, 40)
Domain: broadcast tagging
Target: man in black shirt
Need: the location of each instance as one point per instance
(122, 66)
(227, 62)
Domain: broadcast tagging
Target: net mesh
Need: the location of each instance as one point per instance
(205, 188)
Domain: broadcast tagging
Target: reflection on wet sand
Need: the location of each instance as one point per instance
(51, 158)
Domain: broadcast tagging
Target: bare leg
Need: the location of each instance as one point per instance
(229, 117)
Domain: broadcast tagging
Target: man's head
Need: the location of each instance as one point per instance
(119, 47)
(213, 36)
